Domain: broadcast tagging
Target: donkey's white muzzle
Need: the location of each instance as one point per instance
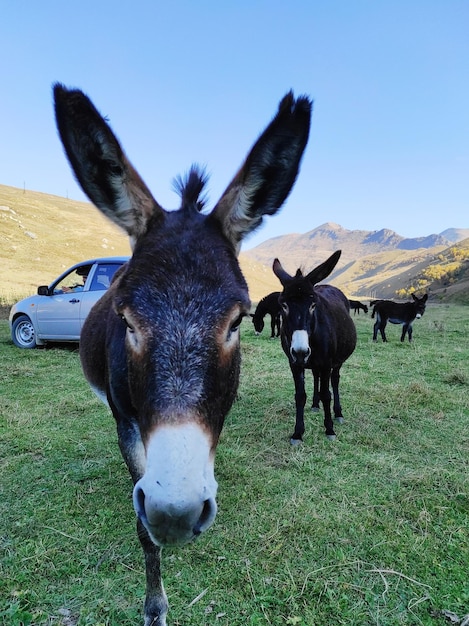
(175, 498)
(299, 348)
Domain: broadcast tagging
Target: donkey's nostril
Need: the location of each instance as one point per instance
(139, 501)
(207, 516)
(300, 355)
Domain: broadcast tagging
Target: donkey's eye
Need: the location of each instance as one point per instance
(128, 326)
(237, 323)
(115, 169)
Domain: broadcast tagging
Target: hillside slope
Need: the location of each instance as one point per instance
(41, 235)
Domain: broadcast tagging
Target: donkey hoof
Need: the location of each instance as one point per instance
(331, 437)
(296, 442)
(315, 409)
(340, 420)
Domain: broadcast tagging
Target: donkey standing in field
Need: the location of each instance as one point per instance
(269, 305)
(317, 334)
(161, 347)
(397, 313)
(356, 305)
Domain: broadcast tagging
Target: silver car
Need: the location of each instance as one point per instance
(58, 311)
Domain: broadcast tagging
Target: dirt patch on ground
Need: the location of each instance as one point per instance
(4, 312)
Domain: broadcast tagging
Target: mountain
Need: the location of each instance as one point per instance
(311, 248)
(377, 264)
(455, 234)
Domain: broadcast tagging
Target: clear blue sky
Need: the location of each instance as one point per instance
(197, 80)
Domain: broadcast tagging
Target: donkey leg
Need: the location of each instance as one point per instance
(325, 395)
(278, 324)
(315, 404)
(300, 401)
(380, 325)
(156, 602)
(381, 330)
(406, 329)
(272, 326)
(335, 379)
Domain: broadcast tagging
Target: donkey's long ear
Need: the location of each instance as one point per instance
(269, 172)
(322, 271)
(283, 276)
(100, 165)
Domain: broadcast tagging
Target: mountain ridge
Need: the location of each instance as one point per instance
(309, 247)
(377, 264)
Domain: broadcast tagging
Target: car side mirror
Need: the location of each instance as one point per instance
(43, 290)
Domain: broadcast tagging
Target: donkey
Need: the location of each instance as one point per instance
(161, 347)
(268, 305)
(317, 334)
(356, 305)
(397, 313)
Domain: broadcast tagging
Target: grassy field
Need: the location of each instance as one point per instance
(372, 529)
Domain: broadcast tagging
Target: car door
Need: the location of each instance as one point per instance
(59, 314)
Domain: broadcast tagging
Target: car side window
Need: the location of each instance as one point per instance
(103, 276)
(74, 281)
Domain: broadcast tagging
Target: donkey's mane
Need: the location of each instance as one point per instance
(190, 187)
(298, 286)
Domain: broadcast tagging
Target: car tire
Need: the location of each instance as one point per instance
(23, 333)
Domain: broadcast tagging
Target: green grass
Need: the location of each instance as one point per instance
(372, 529)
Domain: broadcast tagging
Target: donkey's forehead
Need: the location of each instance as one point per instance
(297, 289)
(186, 240)
(185, 227)
(186, 257)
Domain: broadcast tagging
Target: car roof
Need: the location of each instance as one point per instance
(105, 259)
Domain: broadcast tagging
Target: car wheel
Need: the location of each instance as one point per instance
(22, 332)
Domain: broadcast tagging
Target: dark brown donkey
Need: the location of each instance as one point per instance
(356, 305)
(161, 347)
(397, 313)
(317, 334)
(269, 305)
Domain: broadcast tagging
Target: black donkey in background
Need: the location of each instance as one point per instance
(397, 313)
